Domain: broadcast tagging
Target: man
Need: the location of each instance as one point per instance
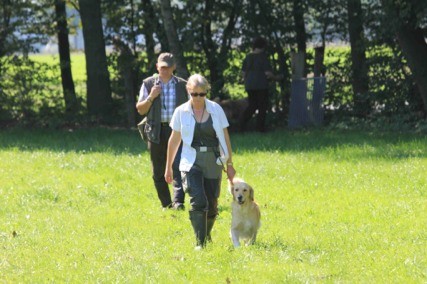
(256, 73)
(160, 94)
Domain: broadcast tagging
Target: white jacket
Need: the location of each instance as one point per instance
(183, 121)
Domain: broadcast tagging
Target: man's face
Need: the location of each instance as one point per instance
(165, 72)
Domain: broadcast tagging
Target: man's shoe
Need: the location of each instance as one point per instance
(178, 206)
(170, 206)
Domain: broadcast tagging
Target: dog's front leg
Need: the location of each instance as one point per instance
(253, 239)
(235, 238)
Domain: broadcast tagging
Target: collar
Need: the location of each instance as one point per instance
(208, 104)
(172, 80)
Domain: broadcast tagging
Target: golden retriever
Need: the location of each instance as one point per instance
(245, 213)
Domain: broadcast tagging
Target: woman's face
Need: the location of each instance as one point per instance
(195, 93)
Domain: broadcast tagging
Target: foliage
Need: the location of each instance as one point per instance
(392, 91)
(29, 92)
(326, 21)
(392, 87)
(338, 94)
(337, 206)
(23, 24)
(404, 12)
(392, 83)
(138, 25)
(234, 85)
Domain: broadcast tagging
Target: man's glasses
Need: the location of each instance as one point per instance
(198, 94)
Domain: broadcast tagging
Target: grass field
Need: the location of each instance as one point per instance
(78, 63)
(337, 206)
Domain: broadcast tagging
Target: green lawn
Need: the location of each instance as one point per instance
(78, 64)
(337, 206)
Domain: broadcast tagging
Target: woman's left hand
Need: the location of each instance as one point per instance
(231, 172)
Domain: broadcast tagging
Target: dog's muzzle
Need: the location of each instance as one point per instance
(240, 199)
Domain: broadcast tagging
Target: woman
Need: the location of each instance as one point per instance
(202, 126)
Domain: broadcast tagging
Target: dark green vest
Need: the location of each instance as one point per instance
(154, 114)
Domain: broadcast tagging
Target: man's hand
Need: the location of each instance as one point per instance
(169, 175)
(155, 91)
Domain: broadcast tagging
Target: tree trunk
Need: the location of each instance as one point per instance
(209, 47)
(319, 56)
(414, 47)
(359, 67)
(98, 78)
(126, 63)
(6, 17)
(64, 57)
(301, 35)
(173, 39)
(222, 59)
(151, 27)
(285, 83)
(217, 62)
(297, 65)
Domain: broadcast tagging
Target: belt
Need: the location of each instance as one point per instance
(205, 149)
(164, 123)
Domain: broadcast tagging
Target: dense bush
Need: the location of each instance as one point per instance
(30, 92)
(392, 91)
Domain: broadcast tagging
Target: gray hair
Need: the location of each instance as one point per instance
(198, 80)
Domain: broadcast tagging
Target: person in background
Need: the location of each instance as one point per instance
(160, 94)
(201, 125)
(256, 73)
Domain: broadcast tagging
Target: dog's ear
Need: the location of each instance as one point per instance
(251, 193)
(233, 192)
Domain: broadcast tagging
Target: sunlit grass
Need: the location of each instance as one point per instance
(78, 69)
(336, 207)
(78, 63)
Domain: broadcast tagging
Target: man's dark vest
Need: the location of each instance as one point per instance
(154, 114)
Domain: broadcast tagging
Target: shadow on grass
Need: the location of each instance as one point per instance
(122, 141)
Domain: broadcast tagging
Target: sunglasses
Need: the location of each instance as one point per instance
(198, 94)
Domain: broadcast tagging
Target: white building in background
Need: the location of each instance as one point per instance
(75, 38)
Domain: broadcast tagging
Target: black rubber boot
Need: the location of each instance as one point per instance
(210, 224)
(198, 221)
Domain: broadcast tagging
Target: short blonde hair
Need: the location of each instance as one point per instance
(198, 80)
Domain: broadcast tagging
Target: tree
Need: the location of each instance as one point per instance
(64, 57)
(272, 23)
(405, 18)
(173, 39)
(21, 27)
(217, 53)
(299, 23)
(5, 27)
(152, 26)
(327, 17)
(123, 25)
(126, 62)
(98, 79)
(359, 66)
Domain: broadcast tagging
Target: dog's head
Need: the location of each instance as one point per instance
(241, 191)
